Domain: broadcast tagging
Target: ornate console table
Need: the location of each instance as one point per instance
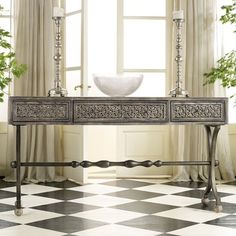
(210, 112)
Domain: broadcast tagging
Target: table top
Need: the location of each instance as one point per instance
(117, 110)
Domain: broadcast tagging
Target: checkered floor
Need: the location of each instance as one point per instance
(117, 207)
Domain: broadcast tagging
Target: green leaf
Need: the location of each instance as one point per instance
(9, 67)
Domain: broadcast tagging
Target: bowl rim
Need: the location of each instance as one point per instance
(116, 76)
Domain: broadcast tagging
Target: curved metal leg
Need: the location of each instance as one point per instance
(211, 185)
(205, 199)
(18, 207)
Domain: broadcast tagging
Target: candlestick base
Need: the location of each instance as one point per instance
(57, 92)
(178, 92)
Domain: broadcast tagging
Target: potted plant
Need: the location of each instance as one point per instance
(9, 67)
(226, 66)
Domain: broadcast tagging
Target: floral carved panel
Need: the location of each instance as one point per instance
(198, 112)
(41, 112)
(120, 112)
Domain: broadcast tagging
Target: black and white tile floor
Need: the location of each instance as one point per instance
(117, 207)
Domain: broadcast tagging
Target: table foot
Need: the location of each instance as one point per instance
(218, 208)
(18, 208)
(18, 212)
(205, 201)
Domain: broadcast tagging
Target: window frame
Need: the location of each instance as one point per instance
(120, 41)
(82, 84)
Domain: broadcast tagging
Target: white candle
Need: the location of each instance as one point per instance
(58, 12)
(178, 15)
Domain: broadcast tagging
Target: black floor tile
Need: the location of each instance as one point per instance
(127, 183)
(63, 184)
(186, 184)
(67, 224)
(199, 194)
(6, 194)
(228, 208)
(4, 184)
(226, 221)
(232, 183)
(5, 207)
(66, 208)
(135, 194)
(6, 224)
(157, 223)
(144, 207)
(64, 194)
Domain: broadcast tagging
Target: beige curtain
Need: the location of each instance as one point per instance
(34, 38)
(189, 142)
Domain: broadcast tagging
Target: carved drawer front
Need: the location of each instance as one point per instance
(41, 111)
(123, 112)
(211, 111)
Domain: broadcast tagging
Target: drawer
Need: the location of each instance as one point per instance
(120, 111)
(212, 111)
(40, 111)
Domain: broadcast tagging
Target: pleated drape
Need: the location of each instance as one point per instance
(189, 142)
(34, 46)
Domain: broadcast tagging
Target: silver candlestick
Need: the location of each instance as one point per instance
(57, 91)
(178, 90)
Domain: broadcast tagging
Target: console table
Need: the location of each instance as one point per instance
(210, 112)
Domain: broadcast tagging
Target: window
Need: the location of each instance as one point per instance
(5, 23)
(122, 36)
(142, 40)
(73, 22)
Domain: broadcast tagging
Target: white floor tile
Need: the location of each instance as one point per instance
(153, 180)
(109, 215)
(229, 199)
(117, 230)
(30, 201)
(32, 189)
(225, 188)
(190, 214)
(174, 200)
(99, 181)
(28, 230)
(97, 189)
(29, 216)
(204, 229)
(102, 200)
(161, 188)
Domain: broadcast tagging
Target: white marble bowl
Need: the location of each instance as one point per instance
(118, 85)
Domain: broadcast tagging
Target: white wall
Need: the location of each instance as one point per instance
(101, 145)
(141, 143)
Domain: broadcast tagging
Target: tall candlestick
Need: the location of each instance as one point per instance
(58, 91)
(178, 91)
